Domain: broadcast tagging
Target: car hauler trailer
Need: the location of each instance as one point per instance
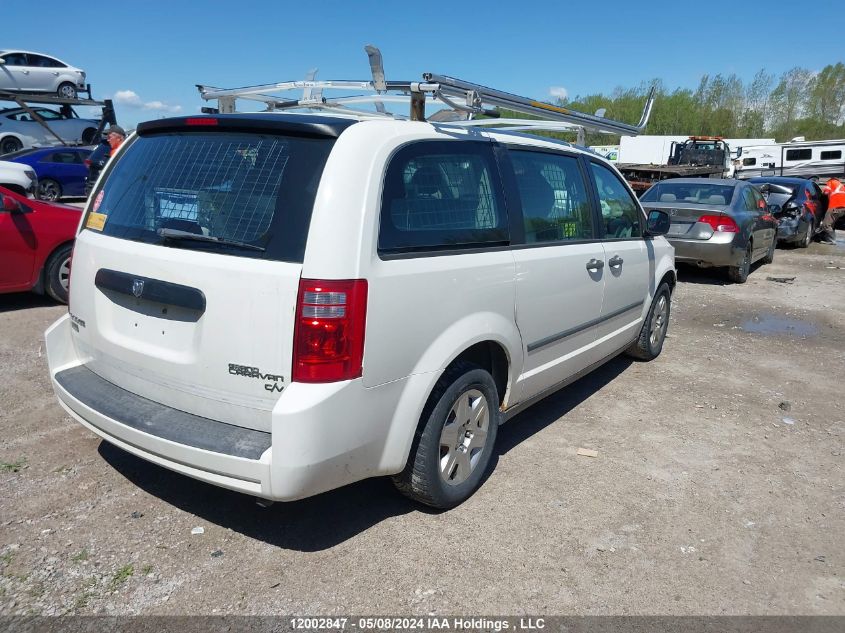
(25, 101)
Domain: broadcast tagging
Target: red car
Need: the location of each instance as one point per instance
(36, 240)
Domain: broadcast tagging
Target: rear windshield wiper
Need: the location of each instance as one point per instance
(176, 234)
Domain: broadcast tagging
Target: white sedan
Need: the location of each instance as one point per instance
(24, 71)
(19, 129)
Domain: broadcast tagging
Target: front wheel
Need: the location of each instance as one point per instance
(739, 274)
(57, 271)
(66, 91)
(649, 343)
(454, 446)
(49, 190)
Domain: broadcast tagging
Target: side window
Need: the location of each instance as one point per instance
(61, 157)
(759, 200)
(832, 155)
(555, 205)
(620, 213)
(748, 199)
(442, 195)
(15, 59)
(799, 154)
(48, 115)
(749, 161)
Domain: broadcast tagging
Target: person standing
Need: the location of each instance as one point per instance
(835, 192)
(115, 136)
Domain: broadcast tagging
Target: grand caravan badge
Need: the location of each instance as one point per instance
(272, 382)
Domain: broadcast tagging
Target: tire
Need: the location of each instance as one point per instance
(452, 451)
(89, 136)
(770, 254)
(739, 274)
(10, 144)
(49, 190)
(649, 343)
(66, 91)
(57, 273)
(808, 239)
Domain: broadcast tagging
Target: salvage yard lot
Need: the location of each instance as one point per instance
(718, 489)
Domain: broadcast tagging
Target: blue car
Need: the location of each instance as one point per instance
(61, 171)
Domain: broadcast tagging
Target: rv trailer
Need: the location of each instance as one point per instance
(798, 158)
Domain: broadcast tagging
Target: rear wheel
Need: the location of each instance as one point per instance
(808, 239)
(57, 273)
(67, 91)
(454, 446)
(649, 343)
(89, 136)
(739, 274)
(49, 190)
(10, 144)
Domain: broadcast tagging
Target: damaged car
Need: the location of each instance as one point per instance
(797, 203)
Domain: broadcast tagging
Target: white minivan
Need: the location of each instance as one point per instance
(282, 304)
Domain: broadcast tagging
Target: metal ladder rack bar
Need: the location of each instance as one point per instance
(459, 88)
(462, 99)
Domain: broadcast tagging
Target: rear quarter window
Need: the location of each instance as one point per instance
(442, 195)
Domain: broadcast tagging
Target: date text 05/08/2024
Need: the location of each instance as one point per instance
(428, 623)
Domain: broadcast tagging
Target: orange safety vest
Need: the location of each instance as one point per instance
(835, 191)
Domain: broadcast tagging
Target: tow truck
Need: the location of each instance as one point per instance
(697, 157)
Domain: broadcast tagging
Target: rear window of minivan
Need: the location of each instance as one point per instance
(242, 194)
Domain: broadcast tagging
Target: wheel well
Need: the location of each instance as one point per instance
(42, 280)
(14, 188)
(669, 278)
(492, 358)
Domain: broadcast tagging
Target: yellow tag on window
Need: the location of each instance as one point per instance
(96, 221)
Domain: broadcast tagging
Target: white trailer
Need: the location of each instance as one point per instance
(799, 158)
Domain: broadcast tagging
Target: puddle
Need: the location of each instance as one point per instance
(773, 325)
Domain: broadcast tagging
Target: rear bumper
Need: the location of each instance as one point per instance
(719, 250)
(317, 442)
(791, 229)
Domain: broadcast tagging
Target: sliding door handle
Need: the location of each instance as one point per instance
(595, 264)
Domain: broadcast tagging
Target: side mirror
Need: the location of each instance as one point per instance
(11, 205)
(2, 61)
(658, 223)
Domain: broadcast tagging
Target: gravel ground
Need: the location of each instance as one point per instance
(718, 489)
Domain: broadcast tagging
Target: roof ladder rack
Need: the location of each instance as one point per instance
(463, 101)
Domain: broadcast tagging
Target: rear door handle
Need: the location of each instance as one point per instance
(615, 261)
(595, 264)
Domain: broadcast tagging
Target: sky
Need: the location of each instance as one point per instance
(149, 55)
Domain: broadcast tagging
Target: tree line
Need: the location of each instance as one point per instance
(798, 103)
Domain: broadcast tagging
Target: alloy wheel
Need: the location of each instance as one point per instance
(658, 322)
(464, 436)
(64, 274)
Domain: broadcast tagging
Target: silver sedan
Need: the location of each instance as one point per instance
(716, 222)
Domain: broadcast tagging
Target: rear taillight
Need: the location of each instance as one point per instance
(328, 340)
(87, 162)
(723, 223)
